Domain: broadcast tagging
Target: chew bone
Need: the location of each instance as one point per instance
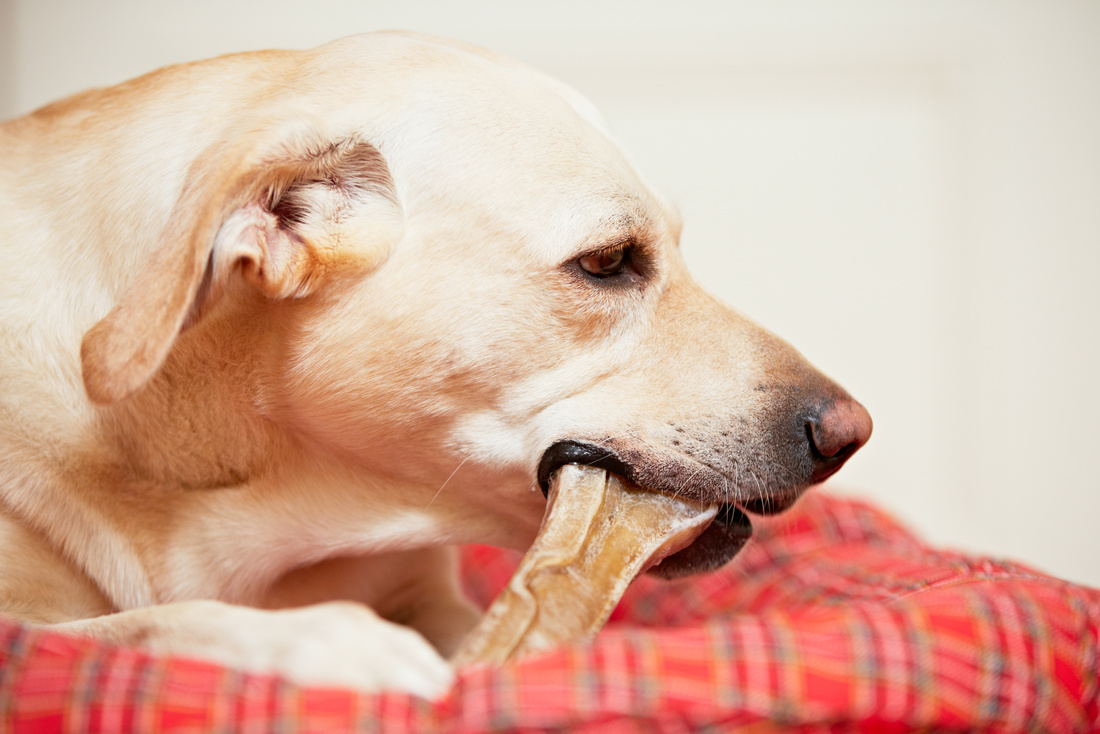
(596, 537)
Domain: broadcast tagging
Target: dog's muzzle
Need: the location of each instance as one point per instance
(815, 442)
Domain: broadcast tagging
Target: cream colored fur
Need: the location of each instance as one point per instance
(279, 328)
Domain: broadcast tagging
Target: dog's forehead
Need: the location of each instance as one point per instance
(510, 124)
(485, 137)
(532, 147)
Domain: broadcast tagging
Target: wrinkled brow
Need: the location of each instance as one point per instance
(635, 223)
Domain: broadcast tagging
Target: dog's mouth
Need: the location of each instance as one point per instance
(713, 548)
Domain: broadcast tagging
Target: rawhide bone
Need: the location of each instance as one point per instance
(596, 537)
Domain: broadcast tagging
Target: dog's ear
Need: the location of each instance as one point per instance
(282, 212)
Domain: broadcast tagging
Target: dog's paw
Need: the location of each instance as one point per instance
(347, 644)
(333, 644)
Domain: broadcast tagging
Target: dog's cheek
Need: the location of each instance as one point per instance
(380, 389)
(440, 359)
(563, 394)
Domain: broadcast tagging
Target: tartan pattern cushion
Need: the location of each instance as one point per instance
(833, 619)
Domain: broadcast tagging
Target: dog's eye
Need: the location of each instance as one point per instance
(606, 263)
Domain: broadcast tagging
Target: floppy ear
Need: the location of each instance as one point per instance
(280, 211)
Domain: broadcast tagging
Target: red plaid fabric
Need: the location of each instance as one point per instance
(833, 619)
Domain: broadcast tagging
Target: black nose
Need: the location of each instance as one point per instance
(835, 433)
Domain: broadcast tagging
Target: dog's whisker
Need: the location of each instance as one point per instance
(687, 482)
(783, 472)
(438, 491)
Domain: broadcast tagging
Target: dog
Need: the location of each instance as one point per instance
(280, 329)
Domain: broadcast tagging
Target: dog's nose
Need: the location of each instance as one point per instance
(835, 433)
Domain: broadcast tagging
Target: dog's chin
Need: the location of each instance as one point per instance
(717, 545)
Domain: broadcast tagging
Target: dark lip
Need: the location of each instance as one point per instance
(569, 451)
(579, 452)
(576, 452)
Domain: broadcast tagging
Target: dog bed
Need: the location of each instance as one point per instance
(833, 619)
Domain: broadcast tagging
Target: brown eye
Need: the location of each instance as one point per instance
(606, 263)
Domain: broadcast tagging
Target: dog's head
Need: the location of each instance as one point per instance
(456, 282)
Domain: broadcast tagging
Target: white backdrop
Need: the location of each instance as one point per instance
(908, 191)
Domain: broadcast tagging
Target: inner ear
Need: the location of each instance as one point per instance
(331, 216)
(282, 212)
(351, 176)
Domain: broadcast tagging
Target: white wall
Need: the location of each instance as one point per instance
(907, 191)
(8, 58)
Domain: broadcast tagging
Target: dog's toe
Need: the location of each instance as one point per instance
(346, 644)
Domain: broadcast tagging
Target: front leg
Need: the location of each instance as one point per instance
(430, 601)
(417, 589)
(342, 643)
(336, 643)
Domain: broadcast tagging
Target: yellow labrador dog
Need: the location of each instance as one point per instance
(279, 328)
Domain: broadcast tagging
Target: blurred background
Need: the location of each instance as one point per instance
(909, 192)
